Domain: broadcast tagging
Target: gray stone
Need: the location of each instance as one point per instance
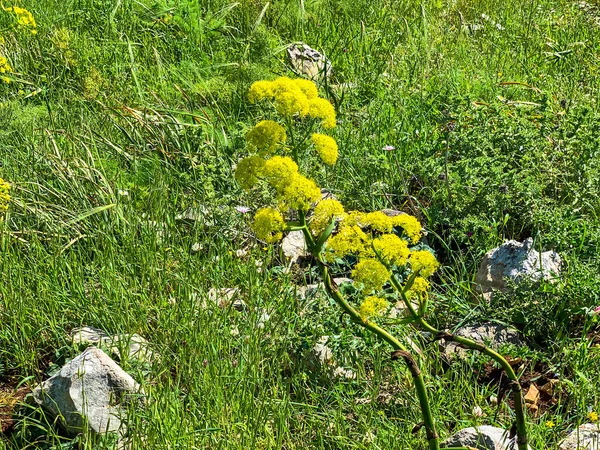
(491, 334)
(484, 437)
(308, 62)
(294, 246)
(515, 261)
(132, 345)
(90, 390)
(587, 437)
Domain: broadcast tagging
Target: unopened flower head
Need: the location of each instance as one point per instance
(325, 211)
(423, 262)
(371, 273)
(326, 147)
(372, 306)
(268, 225)
(266, 136)
(391, 249)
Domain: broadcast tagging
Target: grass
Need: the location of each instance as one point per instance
(495, 125)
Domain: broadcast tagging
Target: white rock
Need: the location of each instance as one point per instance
(294, 245)
(491, 334)
(308, 62)
(587, 437)
(515, 261)
(89, 389)
(484, 437)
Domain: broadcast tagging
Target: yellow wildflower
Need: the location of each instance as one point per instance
(391, 249)
(326, 147)
(593, 416)
(350, 240)
(372, 306)
(371, 273)
(354, 218)
(260, 90)
(4, 195)
(377, 221)
(266, 135)
(423, 262)
(410, 225)
(4, 66)
(324, 213)
(268, 225)
(300, 193)
(248, 171)
(279, 171)
(290, 103)
(320, 108)
(308, 87)
(419, 287)
(24, 18)
(549, 424)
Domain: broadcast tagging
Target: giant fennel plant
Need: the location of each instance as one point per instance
(382, 249)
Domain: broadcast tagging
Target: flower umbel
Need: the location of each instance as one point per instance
(423, 262)
(391, 249)
(24, 18)
(268, 225)
(248, 171)
(372, 306)
(371, 273)
(326, 147)
(324, 212)
(266, 135)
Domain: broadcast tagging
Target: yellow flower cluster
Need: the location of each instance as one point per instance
(279, 171)
(419, 287)
(423, 262)
(4, 195)
(294, 97)
(350, 240)
(4, 69)
(410, 225)
(325, 211)
(326, 147)
(24, 18)
(391, 249)
(372, 306)
(249, 171)
(268, 225)
(266, 135)
(371, 273)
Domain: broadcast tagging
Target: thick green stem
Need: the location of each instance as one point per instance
(400, 352)
(521, 423)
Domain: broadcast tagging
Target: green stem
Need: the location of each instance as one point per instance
(400, 352)
(473, 345)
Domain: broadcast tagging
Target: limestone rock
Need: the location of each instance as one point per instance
(294, 246)
(491, 334)
(89, 390)
(484, 437)
(308, 62)
(515, 261)
(586, 437)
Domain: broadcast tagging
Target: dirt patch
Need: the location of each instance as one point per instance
(10, 397)
(541, 387)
